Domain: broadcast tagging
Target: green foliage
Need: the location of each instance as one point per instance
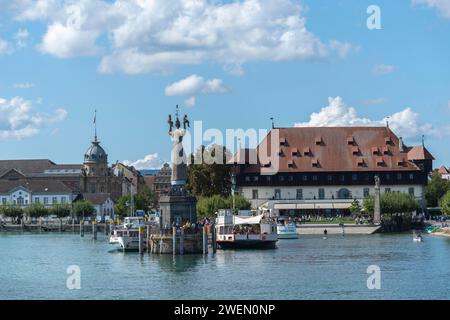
(11, 211)
(83, 208)
(392, 202)
(355, 207)
(208, 206)
(436, 189)
(445, 203)
(145, 200)
(60, 210)
(209, 174)
(37, 210)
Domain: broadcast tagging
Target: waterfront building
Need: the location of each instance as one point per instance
(444, 172)
(103, 204)
(160, 182)
(132, 179)
(323, 169)
(23, 182)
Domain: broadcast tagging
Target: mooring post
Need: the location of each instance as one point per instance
(174, 240)
(182, 241)
(94, 229)
(73, 225)
(141, 240)
(81, 228)
(205, 240)
(149, 229)
(40, 224)
(214, 238)
(60, 225)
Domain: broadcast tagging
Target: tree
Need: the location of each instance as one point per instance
(60, 210)
(149, 197)
(392, 202)
(436, 189)
(445, 203)
(83, 208)
(145, 200)
(11, 211)
(355, 207)
(37, 210)
(208, 206)
(209, 174)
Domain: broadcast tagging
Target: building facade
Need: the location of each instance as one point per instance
(323, 170)
(161, 181)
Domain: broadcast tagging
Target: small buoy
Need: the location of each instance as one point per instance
(324, 238)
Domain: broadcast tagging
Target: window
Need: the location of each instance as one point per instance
(321, 193)
(315, 178)
(299, 194)
(4, 201)
(388, 176)
(63, 200)
(247, 178)
(291, 178)
(305, 178)
(277, 194)
(411, 192)
(54, 200)
(387, 190)
(268, 178)
(45, 200)
(281, 178)
(399, 176)
(366, 192)
(342, 178)
(354, 177)
(255, 194)
(37, 200)
(255, 178)
(411, 176)
(330, 177)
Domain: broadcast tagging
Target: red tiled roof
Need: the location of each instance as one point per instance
(419, 153)
(443, 170)
(336, 154)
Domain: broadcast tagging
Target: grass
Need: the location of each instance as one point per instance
(337, 221)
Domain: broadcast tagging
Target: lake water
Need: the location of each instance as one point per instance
(33, 266)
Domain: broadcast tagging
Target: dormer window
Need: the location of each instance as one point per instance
(355, 151)
(295, 152)
(350, 140)
(315, 163)
(386, 151)
(375, 151)
(290, 164)
(380, 162)
(388, 140)
(360, 162)
(319, 141)
(283, 142)
(401, 162)
(307, 151)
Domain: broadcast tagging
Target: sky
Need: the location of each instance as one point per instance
(230, 64)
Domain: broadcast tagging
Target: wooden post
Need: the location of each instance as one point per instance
(60, 225)
(94, 230)
(214, 238)
(40, 224)
(174, 240)
(73, 225)
(81, 228)
(205, 240)
(182, 241)
(141, 240)
(149, 231)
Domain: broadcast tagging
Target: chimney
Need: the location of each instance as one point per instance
(401, 145)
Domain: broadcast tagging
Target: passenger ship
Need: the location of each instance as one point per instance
(126, 236)
(287, 230)
(252, 232)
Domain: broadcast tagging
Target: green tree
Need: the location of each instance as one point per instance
(240, 203)
(11, 211)
(37, 210)
(83, 208)
(208, 206)
(436, 189)
(143, 200)
(392, 202)
(355, 207)
(209, 174)
(445, 203)
(60, 210)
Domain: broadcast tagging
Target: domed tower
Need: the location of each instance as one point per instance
(95, 160)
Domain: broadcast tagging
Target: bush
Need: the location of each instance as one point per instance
(208, 206)
(392, 202)
(445, 203)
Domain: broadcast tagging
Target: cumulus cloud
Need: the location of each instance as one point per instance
(150, 161)
(19, 121)
(405, 123)
(193, 86)
(156, 36)
(443, 6)
(381, 69)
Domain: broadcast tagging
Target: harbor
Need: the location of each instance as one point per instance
(306, 268)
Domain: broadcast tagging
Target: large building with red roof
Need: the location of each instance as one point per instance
(323, 169)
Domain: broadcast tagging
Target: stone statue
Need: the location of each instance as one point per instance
(179, 167)
(186, 123)
(170, 122)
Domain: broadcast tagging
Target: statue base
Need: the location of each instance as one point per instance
(178, 209)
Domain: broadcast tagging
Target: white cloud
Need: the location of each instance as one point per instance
(5, 47)
(21, 38)
(374, 101)
(25, 85)
(443, 6)
(193, 86)
(381, 69)
(68, 41)
(405, 123)
(150, 161)
(156, 36)
(18, 121)
(343, 49)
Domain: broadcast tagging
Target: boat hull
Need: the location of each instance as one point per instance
(287, 236)
(129, 243)
(247, 244)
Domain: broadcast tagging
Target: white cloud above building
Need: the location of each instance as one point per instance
(150, 161)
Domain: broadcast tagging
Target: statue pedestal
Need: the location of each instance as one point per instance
(178, 209)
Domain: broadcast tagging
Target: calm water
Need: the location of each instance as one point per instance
(33, 266)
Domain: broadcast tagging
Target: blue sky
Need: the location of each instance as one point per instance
(61, 60)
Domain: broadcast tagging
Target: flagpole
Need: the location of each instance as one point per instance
(95, 124)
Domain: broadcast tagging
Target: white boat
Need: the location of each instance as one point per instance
(287, 230)
(417, 238)
(126, 236)
(252, 232)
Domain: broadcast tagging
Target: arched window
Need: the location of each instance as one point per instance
(344, 194)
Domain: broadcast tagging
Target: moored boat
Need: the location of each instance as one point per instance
(287, 230)
(251, 232)
(126, 236)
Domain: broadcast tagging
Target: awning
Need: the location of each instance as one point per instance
(247, 220)
(310, 206)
